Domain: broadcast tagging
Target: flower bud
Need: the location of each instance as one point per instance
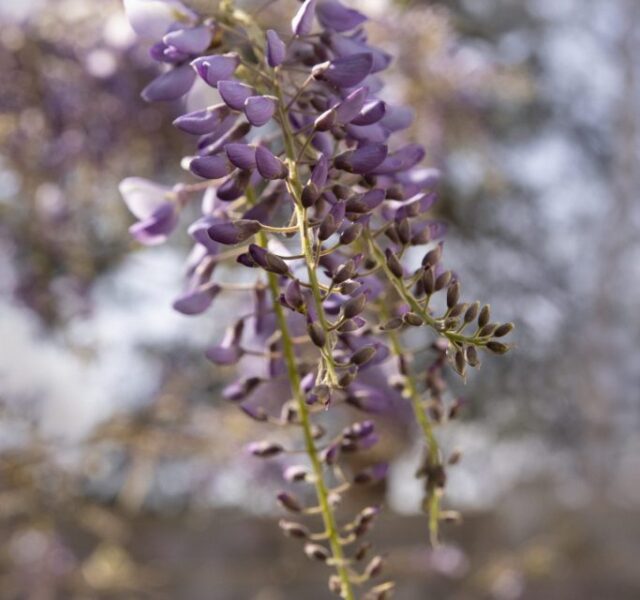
(453, 294)
(351, 234)
(497, 347)
(294, 530)
(374, 568)
(317, 334)
(503, 330)
(429, 281)
(472, 312)
(354, 306)
(363, 356)
(413, 319)
(265, 449)
(296, 473)
(432, 257)
(392, 324)
(472, 356)
(485, 315)
(289, 502)
(325, 121)
(310, 195)
(443, 280)
(394, 264)
(317, 552)
(327, 228)
(293, 295)
(344, 272)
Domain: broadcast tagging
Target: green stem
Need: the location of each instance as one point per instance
(433, 450)
(397, 283)
(305, 237)
(322, 492)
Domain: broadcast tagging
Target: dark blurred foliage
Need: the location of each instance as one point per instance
(531, 109)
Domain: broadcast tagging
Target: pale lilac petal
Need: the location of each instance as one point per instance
(276, 49)
(398, 118)
(195, 302)
(242, 156)
(142, 197)
(201, 122)
(152, 18)
(216, 67)
(302, 23)
(346, 71)
(333, 15)
(171, 85)
(224, 355)
(209, 167)
(156, 228)
(371, 113)
(193, 40)
(269, 166)
(259, 109)
(235, 93)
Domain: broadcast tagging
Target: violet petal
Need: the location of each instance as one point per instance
(242, 156)
(276, 49)
(302, 22)
(346, 71)
(209, 167)
(259, 109)
(235, 93)
(193, 40)
(333, 15)
(269, 166)
(216, 67)
(170, 85)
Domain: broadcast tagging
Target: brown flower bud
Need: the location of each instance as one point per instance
(294, 530)
(327, 228)
(503, 330)
(472, 356)
(363, 356)
(317, 552)
(453, 294)
(487, 330)
(354, 306)
(413, 319)
(374, 568)
(432, 257)
(460, 362)
(485, 315)
(472, 312)
(351, 234)
(443, 280)
(289, 502)
(497, 347)
(310, 195)
(317, 334)
(404, 231)
(392, 324)
(265, 449)
(344, 272)
(394, 264)
(429, 281)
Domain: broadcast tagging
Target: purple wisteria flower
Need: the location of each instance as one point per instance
(311, 188)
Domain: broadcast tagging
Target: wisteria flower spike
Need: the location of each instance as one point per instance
(311, 186)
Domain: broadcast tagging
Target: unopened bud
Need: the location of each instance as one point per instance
(472, 312)
(485, 315)
(394, 264)
(294, 530)
(317, 334)
(413, 319)
(265, 449)
(363, 356)
(503, 330)
(289, 502)
(317, 552)
(453, 294)
(497, 347)
(354, 306)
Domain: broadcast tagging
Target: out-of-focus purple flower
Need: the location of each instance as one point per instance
(401, 160)
(171, 85)
(152, 205)
(335, 16)
(351, 106)
(196, 301)
(191, 40)
(276, 49)
(259, 109)
(217, 67)
(302, 22)
(228, 352)
(346, 71)
(152, 18)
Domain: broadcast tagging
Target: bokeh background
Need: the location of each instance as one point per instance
(120, 474)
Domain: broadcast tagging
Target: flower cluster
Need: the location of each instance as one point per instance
(307, 183)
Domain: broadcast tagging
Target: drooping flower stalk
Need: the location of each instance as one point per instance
(298, 156)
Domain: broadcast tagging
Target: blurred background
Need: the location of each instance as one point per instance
(119, 474)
